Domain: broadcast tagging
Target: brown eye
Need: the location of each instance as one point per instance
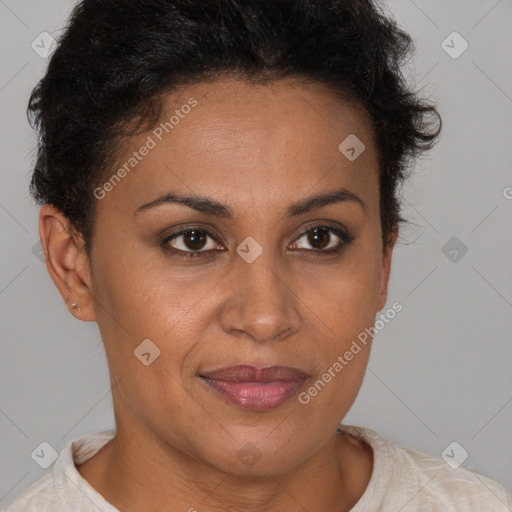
(319, 238)
(323, 240)
(194, 239)
(191, 242)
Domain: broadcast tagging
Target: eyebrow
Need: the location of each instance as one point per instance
(217, 209)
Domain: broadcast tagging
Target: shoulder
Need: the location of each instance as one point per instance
(62, 487)
(418, 481)
(441, 484)
(41, 495)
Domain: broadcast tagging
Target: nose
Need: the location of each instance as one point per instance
(262, 303)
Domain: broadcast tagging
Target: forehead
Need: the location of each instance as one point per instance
(279, 138)
(231, 109)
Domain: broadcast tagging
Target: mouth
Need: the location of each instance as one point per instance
(255, 389)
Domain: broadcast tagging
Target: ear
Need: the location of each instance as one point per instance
(386, 268)
(67, 261)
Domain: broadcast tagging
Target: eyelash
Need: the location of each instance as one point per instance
(346, 239)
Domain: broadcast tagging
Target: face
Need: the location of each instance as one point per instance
(239, 276)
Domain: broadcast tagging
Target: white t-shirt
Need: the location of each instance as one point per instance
(402, 480)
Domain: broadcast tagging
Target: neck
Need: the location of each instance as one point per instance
(136, 473)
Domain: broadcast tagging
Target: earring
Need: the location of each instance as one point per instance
(74, 306)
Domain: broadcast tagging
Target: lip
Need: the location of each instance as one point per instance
(256, 389)
(250, 373)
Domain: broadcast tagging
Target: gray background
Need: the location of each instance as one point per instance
(439, 372)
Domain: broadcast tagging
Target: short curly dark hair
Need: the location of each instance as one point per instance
(116, 59)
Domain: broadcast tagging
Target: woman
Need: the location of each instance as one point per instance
(218, 187)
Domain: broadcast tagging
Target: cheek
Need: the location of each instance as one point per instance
(344, 295)
(342, 306)
(128, 284)
(341, 302)
(139, 297)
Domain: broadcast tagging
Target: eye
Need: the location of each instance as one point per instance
(198, 242)
(191, 242)
(322, 240)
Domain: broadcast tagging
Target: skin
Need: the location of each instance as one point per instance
(257, 149)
